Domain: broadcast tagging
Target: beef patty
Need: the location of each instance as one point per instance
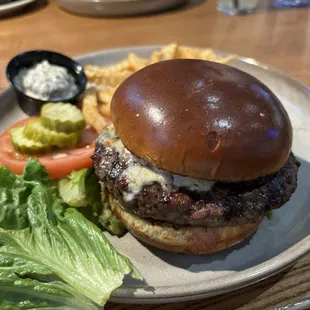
(225, 204)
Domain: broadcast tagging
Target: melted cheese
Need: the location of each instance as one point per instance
(140, 173)
(140, 176)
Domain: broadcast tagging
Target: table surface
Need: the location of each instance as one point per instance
(275, 37)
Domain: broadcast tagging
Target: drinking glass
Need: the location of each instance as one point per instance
(290, 3)
(234, 7)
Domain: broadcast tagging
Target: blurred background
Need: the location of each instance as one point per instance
(274, 32)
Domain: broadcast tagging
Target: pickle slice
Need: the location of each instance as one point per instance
(62, 117)
(27, 146)
(35, 130)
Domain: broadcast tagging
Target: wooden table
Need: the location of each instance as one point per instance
(276, 37)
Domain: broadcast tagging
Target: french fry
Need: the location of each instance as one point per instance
(187, 52)
(104, 98)
(115, 79)
(97, 74)
(166, 53)
(121, 66)
(105, 95)
(91, 113)
(104, 109)
(137, 63)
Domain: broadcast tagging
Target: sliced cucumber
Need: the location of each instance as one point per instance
(24, 145)
(36, 131)
(62, 117)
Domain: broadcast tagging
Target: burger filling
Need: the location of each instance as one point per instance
(138, 173)
(156, 194)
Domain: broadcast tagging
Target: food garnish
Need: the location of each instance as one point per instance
(62, 117)
(51, 256)
(36, 131)
(36, 137)
(82, 189)
(25, 145)
(59, 163)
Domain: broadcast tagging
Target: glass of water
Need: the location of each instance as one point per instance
(290, 3)
(234, 7)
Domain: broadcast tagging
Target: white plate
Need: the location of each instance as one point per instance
(276, 245)
(8, 8)
(117, 7)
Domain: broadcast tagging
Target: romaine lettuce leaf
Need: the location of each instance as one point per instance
(15, 190)
(106, 218)
(55, 259)
(83, 189)
(74, 189)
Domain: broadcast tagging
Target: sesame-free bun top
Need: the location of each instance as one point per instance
(203, 120)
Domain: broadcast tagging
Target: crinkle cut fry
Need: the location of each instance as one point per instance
(91, 113)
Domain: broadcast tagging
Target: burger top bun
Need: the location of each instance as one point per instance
(203, 120)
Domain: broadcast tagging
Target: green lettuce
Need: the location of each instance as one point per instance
(80, 188)
(51, 256)
(83, 189)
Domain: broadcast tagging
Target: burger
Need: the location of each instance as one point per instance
(198, 153)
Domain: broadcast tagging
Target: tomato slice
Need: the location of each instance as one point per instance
(59, 163)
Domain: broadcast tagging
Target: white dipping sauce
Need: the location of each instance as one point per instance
(45, 81)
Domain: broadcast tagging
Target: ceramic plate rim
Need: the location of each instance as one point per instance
(12, 5)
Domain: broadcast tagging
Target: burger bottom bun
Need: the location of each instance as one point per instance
(188, 239)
